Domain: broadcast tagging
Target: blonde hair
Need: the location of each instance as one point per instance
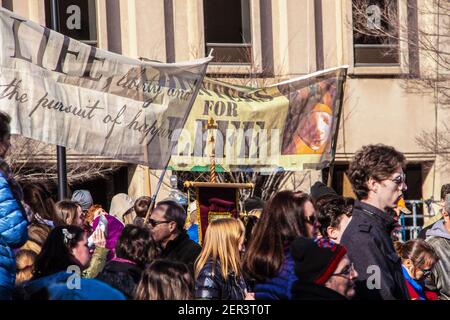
(32, 246)
(221, 244)
(24, 265)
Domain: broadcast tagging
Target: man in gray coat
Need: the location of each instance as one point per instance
(439, 238)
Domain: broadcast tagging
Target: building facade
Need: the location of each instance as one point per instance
(264, 41)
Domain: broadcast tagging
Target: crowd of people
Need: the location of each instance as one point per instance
(299, 246)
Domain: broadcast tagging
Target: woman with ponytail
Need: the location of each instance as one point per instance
(418, 259)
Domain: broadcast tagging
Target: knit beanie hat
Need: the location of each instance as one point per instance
(253, 203)
(316, 260)
(84, 198)
(319, 189)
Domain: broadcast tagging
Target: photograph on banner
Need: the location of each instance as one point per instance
(287, 126)
(61, 91)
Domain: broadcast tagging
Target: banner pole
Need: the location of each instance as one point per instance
(338, 120)
(60, 150)
(194, 96)
(148, 180)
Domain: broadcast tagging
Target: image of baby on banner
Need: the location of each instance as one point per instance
(215, 203)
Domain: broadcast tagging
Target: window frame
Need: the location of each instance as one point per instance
(381, 46)
(255, 65)
(93, 25)
(381, 69)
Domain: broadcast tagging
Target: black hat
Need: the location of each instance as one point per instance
(253, 203)
(319, 189)
(316, 260)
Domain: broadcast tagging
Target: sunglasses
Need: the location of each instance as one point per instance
(426, 272)
(399, 180)
(154, 223)
(311, 219)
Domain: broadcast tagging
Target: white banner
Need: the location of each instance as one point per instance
(61, 91)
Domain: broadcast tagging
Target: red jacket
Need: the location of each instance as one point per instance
(414, 295)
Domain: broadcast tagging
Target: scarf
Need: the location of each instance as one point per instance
(416, 285)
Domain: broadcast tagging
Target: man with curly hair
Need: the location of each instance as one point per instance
(377, 177)
(334, 213)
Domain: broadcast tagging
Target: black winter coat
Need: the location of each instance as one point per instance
(312, 291)
(209, 285)
(121, 275)
(370, 248)
(182, 249)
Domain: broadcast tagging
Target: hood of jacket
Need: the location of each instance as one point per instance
(115, 227)
(34, 286)
(439, 230)
(89, 289)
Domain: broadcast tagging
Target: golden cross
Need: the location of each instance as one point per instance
(212, 169)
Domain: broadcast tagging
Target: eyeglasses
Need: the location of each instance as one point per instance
(310, 219)
(154, 223)
(346, 272)
(399, 180)
(426, 272)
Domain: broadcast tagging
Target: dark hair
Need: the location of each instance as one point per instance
(373, 161)
(40, 201)
(165, 280)
(141, 206)
(56, 254)
(445, 189)
(330, 212)
(67, 211)
(136, 244)
(281, 221)
(5, 120)
(253, 203)
(250, 223)
(324, 199)
(417, 250)
(173, 212)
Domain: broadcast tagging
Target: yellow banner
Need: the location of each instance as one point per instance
(289, 126)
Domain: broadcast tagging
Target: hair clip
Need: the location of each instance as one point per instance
(67, 235)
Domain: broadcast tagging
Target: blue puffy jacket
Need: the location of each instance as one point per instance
(279, 287)
(55, 287)
(13, 233)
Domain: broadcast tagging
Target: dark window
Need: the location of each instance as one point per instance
(340, 182)
(227, 30)
(375, 32)
(7, 4)
(77, 19)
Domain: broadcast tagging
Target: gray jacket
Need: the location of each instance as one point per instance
(439, 238)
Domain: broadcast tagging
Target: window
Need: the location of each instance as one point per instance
(228, 31)
(375, 32)
(7, 4)
(76, 18)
